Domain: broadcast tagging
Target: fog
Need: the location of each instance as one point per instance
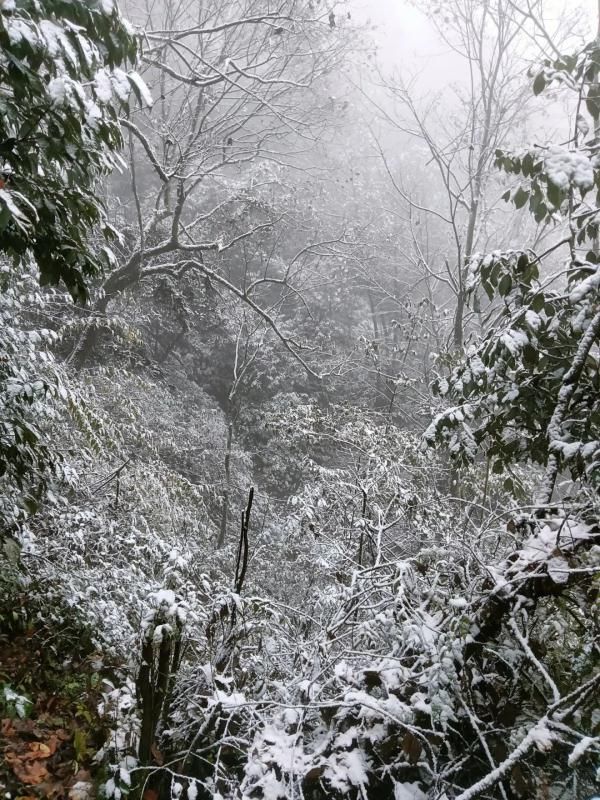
(299, 400)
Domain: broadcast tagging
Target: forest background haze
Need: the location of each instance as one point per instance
(299, 399)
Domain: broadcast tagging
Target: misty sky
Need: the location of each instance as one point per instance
(406, 39)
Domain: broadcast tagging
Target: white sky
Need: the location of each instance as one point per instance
(407, 40)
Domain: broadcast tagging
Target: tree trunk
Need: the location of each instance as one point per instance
(227, 487)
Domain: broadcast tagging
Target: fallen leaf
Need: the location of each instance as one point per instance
(82, 775)
(7, 728)
(30, 772)
(51, 789)
(10, 757)
(37, 750)
(52, 701)
(25, 726)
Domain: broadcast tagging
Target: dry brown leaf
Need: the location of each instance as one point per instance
(314, 774)
(51, 702)
(51, 789)
(30, 772)
(158, 756)
(82, 775)
(412, 747)
(37, 750)
(7, 728)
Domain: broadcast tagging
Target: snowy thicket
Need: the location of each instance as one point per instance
(322, 505)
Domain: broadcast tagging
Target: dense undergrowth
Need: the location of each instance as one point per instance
(275, 524)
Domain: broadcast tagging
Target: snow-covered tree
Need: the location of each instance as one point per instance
(528, 391)
(62, 90)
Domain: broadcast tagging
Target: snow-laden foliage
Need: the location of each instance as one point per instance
(289, 592)
(62, 92)
(30, 382)
(430, 672)
(508, 389)
(529, 389)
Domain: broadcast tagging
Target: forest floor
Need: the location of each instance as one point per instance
(50, 729)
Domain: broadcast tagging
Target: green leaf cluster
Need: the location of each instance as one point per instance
(60, 96)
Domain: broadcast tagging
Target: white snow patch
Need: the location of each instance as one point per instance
(548, 545)
(514, 341)
(585, 287)
(558, 569)
(581, 748)
(120, 85)
(102, 86)
(140, 84)
(532, 319)
(568, 167)
(408, 791)
(18, 30)
(542, 737)
(347, 769)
